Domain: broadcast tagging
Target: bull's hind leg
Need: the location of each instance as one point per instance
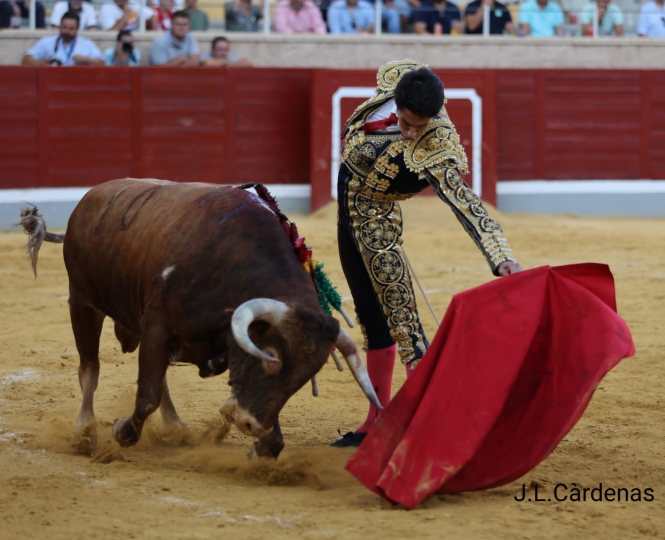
(154, 354)
(170, 417)
(87, 325)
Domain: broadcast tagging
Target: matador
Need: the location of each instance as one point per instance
(396, 144)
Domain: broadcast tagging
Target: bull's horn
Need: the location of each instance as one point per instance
(348, 348)
(264, 309)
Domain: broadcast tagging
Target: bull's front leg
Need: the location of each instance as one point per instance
(269, 446)
(154, 353)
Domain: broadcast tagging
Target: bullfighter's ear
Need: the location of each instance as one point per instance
(229, 311)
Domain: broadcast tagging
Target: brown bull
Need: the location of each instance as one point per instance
(201, 274)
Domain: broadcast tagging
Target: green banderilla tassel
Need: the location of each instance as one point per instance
(328, 295)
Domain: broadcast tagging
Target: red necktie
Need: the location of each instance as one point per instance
(378, 125)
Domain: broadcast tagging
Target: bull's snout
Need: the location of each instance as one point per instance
(243, 419)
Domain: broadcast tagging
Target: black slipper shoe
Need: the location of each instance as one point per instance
(351, 438)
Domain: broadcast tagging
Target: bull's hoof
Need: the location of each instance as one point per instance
(85, 440)
(125, 432)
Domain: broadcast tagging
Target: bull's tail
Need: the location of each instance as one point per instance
(35, 227)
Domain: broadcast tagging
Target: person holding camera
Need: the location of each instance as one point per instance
(124, 53)
(65, 49)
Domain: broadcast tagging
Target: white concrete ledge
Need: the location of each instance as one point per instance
(57, 204)
(343, 52)
(628, 198)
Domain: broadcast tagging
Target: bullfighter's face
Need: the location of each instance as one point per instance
(411, 125)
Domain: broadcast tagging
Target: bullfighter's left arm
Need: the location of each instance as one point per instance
(469, 210)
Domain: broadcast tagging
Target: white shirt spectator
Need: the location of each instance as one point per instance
(110, 13)
(87, 16)
(652, 20)
(53, 47)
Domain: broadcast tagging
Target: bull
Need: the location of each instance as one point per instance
(198, 273)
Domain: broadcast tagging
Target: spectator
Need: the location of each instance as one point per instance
(20, 10)
(350, 17)
(219, 55)
(610, 19)
(85, 11)
(242, 16)
(298, 17)
(500, 20)
(651, 22)
(65, 49)
(163, 14)
(198, 20)
(124, 53)
(389, 15)
(177, 47)
(124, 15)
(540, 18)
(437, 17)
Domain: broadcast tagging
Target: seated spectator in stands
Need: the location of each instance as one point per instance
(124, 53)
(85, 11)
(610, 19)
(198, 20)
(177, 47)
(437, 17)
(242, 16)
(163, 14)
(651, 22)
(540, 18)
(500, 20)
(219, 55)
(351, 17)
(17, 10)
(298, 17)
(124, 15)
(65, 49)
(390, 15)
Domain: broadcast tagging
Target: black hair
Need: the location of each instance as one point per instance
(73, 16)
(421, 92)
(180, 15)
(122, 34)
(217, 40)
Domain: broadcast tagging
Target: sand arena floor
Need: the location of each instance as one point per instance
(174, 488)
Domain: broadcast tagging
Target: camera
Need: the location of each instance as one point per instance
(127, 48)
(54, 62)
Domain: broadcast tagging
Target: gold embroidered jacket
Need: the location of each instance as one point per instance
(390, 168)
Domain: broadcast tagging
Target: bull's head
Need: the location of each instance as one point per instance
(287, 346)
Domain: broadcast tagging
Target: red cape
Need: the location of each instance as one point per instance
(510, 371)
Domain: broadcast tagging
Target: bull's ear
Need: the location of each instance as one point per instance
(229, 311)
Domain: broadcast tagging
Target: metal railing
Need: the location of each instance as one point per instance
(570, 27)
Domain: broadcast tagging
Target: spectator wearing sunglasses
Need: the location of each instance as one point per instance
(651, 23)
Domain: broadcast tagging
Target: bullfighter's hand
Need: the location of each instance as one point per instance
(509, 267)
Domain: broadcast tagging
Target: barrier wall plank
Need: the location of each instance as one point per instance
(19, 135)
(270, 140)
(183, 123)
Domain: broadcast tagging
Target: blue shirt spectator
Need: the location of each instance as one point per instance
(124, 53)
(389, 16)
(177, 47)
(652, 20)
(350, 17)
(500, 19)
(540, 18)
(610, 19)
(65, 49)
(437, 17)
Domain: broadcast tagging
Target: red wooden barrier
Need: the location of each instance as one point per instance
(83, 126)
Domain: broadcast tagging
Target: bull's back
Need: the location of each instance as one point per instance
(125, 235)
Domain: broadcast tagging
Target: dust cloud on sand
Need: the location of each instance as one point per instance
(199, 484)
